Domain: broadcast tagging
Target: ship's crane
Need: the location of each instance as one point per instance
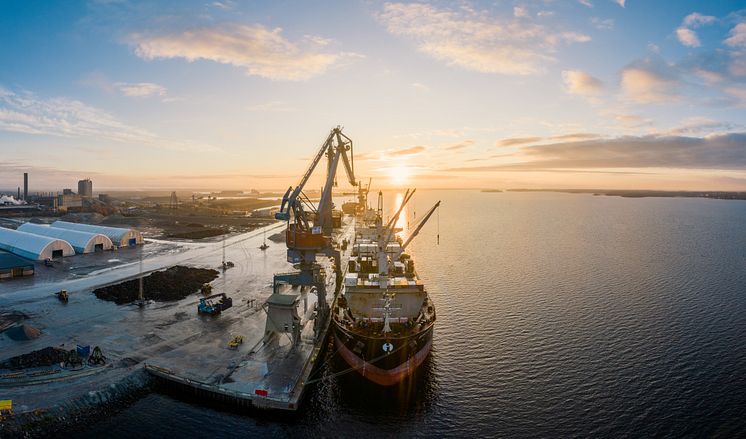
(305, 239)
(362, 195)
(387, 231)
(420, 225)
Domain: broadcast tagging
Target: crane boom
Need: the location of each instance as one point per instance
(390, 225)
(289, 198)
(420, 225)
(349, 162)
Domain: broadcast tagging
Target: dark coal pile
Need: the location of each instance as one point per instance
(43, 357)
(174, 283)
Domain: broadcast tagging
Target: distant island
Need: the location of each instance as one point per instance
(720, 195)
(491, 190)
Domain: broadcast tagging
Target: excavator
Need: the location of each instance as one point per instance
(207, 306)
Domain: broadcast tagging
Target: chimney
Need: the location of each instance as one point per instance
(25, 185)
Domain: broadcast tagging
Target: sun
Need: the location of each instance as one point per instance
(399, 174)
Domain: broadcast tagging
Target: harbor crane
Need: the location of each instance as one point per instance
(309, 227)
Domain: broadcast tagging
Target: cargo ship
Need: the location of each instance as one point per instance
(383, 321)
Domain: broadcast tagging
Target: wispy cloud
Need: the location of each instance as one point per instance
(630, 120)
(572, 137)
(475, 40)
(225, 5)
(141, 89)
(685, 32)
(578, 82)
(25, 112)
(621, 3)
(261, 51)
(724, 152)
(520, 11)
(602, 23)
(586, 3)
(459, 145)
(699, 125)
(407, 151)
(512, 141)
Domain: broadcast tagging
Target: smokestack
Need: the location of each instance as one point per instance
(25, 185)
(19, 193)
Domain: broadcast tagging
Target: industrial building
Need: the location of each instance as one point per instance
(33, 247)
(13, 266)
(120, 237)
(85, 188)
(82, 242)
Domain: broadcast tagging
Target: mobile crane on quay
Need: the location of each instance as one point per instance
(309, 230)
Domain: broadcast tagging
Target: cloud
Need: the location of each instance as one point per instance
(512, 141)
(474, 40)
(580, 83)
(225, 5)
(725, 152)
(620, 2)
(586, 3)
(695, 19)
(602, 24)
(737, 36)
(650, 81)
(64, 117)
(520, 11)
(738, 95)
(697, 125)
(459, 145)
(407, 151)
(574, 137)
(140, 89)
(261, 51)
(686, 35)
(631, 120)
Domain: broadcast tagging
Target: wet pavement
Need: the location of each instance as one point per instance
(127, 334)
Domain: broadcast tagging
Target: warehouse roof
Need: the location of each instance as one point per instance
(118, 235)
(9, 260)
(82, 242)
(34, 247)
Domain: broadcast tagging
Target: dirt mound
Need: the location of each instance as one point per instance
(10, 318)
(43, 357)
(23, 332)
(174, 283)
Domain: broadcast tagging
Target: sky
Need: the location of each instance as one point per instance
(607, 94)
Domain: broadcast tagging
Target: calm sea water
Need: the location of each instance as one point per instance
(559, 315)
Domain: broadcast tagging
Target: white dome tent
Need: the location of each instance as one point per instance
(120, 237)
(82, 242)
(34, 247)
